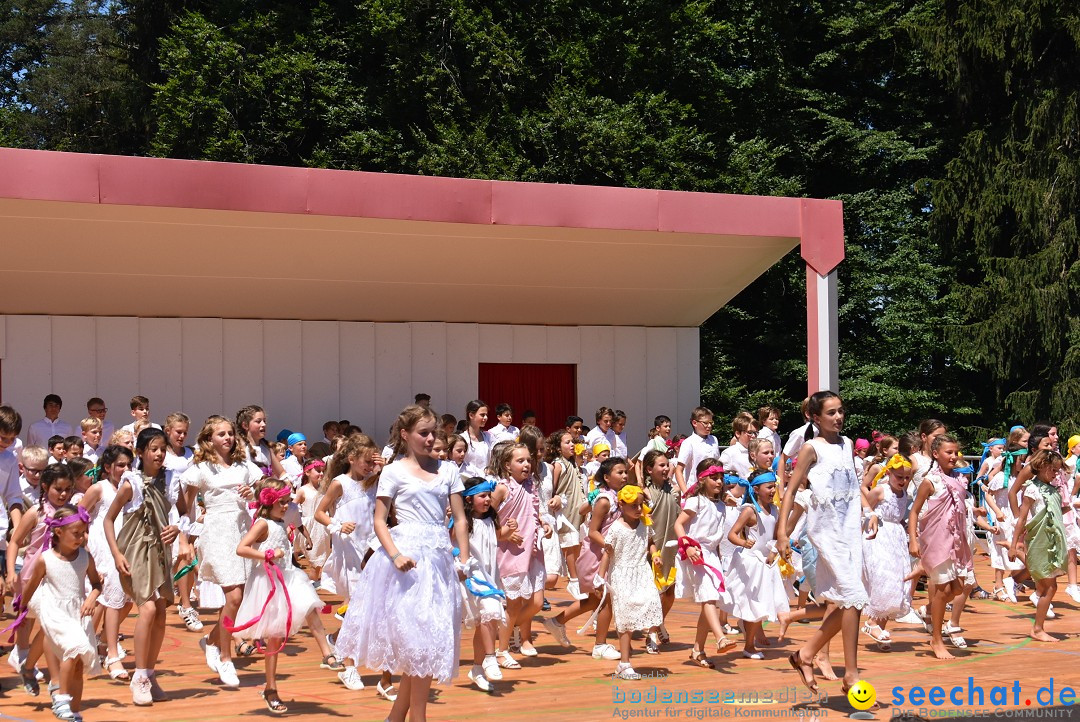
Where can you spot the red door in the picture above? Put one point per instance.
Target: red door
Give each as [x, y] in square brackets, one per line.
[548, 389]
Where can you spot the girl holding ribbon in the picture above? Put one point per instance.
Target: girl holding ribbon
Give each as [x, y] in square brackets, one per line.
[225, 479]
[700, 528]
[886, 561]
[142, 552]
[662, 495]
[635, 600]
[115, 462]
[57, 485]
[277, 596]
[483, 599]
[754, 583]
[56, 589]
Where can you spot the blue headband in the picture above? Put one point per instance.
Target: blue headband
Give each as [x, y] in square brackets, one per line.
[767, 478]
[284, 434]
[480, 488]
[969, 469]
[993, 442]
[1018, 427]
[294, 438]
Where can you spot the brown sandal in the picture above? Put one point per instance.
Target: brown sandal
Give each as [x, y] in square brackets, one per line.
[273, 701]
[795, 660]
[701, 659]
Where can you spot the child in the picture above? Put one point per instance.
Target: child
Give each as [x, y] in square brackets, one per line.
[768, 418]
[140, 414]
[447, 423]
[56, 589]
[755, 586]
[627, 549]
[42, 431]
[57, 486]
[456, 447]
[700, 527]
[505, 429]
[73, 447]
[225, 479]
[178, 460]
[251, 428]
[520, 558]
[439, 450]
[601, 452]
[567, 482]
[142, 552]
[883, 448]
[477, 441]
[663, 500]
[98, 499]
[695, 448]
[736, 458]
[482, 609]
[56, 449]
[351, 484]
[658, 436]
[551, 504]
[122, 437]
[886, 561]
[1006, 568]
[91, 435]
[308, 497]
[1040, 535]
[412, 627]
[618, 428]
[277, 596]
[293, 465]
[610, 477]
[937, 534]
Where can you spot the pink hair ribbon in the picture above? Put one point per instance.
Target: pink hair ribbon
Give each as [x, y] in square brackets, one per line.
[273, 571]
[711, 471]
[686, 543]
[269, 497]
[316, 464]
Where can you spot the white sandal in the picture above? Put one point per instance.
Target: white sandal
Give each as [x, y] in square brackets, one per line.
[387, 693]
[506, 661]
[121, 674]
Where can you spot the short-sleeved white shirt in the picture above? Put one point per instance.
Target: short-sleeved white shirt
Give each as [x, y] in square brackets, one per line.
[736, 460]
[693, 451]
[416, 500]
[795, 441]
[595, 436]
[766, 433]
[498, 433]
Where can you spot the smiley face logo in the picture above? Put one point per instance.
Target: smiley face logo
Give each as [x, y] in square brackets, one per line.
[862, 695]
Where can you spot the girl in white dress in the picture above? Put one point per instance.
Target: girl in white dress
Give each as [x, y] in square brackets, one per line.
[251, 430]
[347, 511]
[142, 552]
[308, 497]
[886, 561]
[56, 590]
[700, 528]
[178, 459]
[277, 596]
[483, 599]
[834, 528]
[114, 602]
[754, 583]
[478, 442]
[634, 598]
[226, 480]
[406, 617]
[1006, 568]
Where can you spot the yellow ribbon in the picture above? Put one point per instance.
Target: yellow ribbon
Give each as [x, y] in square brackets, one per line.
[786, 570]
[895, 462]
[630, 494]
[660, 580]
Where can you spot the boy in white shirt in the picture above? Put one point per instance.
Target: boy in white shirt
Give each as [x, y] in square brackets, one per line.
[140, 411]
[618, 428]
[40, 431]
[696, 448]
[505, 429]
[602, 431]
[96, 409]
[794, 442]
[736, 458]
[769, 421]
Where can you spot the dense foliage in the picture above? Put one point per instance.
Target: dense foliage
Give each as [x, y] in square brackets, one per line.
[947, 128]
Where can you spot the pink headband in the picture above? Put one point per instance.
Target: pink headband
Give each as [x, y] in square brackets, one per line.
[317, 464]
[711, 471]
[269, 497]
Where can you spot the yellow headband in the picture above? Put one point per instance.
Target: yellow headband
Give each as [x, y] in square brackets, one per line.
[630, 494]
[600, 448]
[895, 462]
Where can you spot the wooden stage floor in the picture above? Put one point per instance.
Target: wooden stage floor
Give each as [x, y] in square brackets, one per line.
[569, 684]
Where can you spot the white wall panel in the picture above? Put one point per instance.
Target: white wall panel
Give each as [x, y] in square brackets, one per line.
[202, 383]
[496, 343]
[356, 361]
[662, 388]
[393, 375]
[462, 356]
[563, 344]
[320, 376]
[117, 367]
[282, 369]
[629, 366]
[688, 373]
[242, 369]
[595, 373]
[28, 367]
[429, 362]
[74, 359]
[161, 366]
[530, 345]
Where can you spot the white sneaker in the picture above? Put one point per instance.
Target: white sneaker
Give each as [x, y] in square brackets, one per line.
[625, 671]
[476, 674]
[910, 618]
[491, 669]
[605, 651]
[1074, 592]
[1050, 613]
[1034, 599]
[140, 691]
[556, 630]
[213, 654]
[574, 590]
[191, 619]
[351, 679]
[227, 674]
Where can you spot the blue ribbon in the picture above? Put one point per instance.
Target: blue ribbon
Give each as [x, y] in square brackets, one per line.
[480, 488]
[767, 478]
[294, 438]
[969, 469]
[491, 591]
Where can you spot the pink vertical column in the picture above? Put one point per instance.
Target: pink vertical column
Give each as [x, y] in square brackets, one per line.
[822, 239]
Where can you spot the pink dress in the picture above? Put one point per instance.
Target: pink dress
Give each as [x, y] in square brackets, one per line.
[589, 557]
[943, 543]
[521, 566]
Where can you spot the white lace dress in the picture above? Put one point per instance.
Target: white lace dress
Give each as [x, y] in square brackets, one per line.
[225, 522]
[886, 560]
[57, 603]
[483, 546]
[998, 487]
[635, 602]
[342, 569]
[834, 525]
[112, 592]
[756, 587]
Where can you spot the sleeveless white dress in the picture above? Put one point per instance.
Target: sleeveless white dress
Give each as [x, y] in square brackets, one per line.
[886, 560]
[757, 588]
[57, 603]
[298, 591]
[112, 593]
[834, 525]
